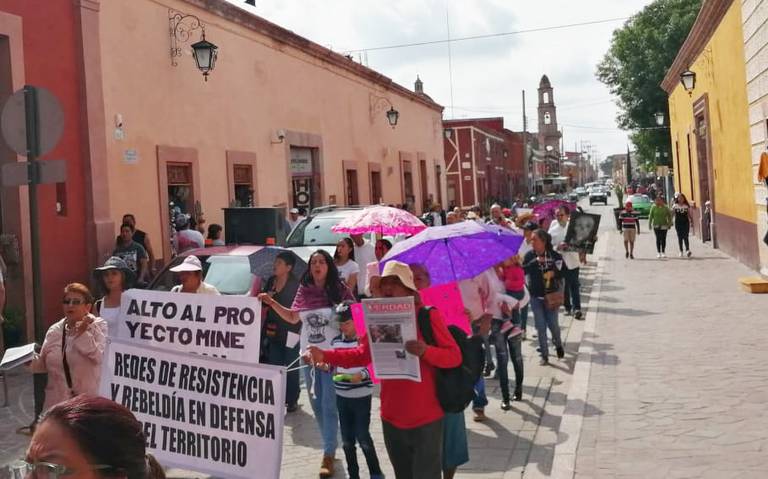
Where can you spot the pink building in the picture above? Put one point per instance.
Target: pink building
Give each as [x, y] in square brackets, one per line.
[280, 121]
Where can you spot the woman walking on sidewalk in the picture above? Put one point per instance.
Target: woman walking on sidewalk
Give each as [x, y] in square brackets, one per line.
[543, 269]
[682, 211]
[660, 220]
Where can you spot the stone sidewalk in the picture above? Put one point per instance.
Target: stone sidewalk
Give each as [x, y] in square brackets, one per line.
[677, 367]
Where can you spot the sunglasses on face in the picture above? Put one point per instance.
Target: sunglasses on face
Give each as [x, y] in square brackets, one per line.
[72, 302]
[46, 470]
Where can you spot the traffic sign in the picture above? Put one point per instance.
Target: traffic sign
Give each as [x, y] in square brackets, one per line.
[49, 119]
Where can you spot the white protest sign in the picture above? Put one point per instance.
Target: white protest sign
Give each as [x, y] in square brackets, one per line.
[204, 414]
[221, 326]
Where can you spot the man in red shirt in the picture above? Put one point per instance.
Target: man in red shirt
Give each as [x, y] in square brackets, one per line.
[410, 411]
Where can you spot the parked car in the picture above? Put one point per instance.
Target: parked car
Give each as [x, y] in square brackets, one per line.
[598, 195]
[581, 191]
[314, 232]
[226, 267]
[573, 196]
[641, 204]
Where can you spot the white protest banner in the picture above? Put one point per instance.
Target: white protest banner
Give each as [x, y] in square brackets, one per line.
[204, 414]
[390, 323]
[221, 326]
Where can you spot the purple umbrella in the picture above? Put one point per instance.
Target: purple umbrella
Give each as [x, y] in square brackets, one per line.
[458, 251]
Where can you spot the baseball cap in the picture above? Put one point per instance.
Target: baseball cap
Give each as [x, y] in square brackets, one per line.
[294, 211]
[401, 271]
[190, 263]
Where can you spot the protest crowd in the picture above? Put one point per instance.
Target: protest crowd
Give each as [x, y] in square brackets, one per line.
[405, 308]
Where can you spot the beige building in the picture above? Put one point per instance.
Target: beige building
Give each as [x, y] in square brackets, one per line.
[754, 16]
[279, 121]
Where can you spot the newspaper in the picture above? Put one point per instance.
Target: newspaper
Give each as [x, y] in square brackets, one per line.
[390, 323]
[14, 357]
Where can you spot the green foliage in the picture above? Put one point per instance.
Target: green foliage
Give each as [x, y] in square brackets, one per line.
[641, 52]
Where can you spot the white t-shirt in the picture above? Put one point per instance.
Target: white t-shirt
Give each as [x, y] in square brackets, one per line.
[363, 255]
[348, 269]
[558, 233]
[110, 316]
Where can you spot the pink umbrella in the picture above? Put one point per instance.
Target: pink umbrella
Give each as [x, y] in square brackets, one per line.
[546, 211]
[384, 220]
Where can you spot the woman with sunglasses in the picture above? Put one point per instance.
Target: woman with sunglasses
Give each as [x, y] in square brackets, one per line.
[88, 437]
[73, 348]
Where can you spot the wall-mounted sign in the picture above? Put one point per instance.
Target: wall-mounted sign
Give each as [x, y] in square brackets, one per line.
[130, 157]
[301, 161]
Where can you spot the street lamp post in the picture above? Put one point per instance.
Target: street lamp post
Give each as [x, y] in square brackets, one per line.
[688, 79]
[659, 118]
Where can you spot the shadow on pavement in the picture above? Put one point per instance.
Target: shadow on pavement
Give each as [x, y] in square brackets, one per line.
[627, 312]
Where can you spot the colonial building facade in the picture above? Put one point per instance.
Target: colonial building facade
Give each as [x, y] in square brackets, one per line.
[280, 121]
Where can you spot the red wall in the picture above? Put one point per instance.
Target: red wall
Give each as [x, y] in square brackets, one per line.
[52, 60]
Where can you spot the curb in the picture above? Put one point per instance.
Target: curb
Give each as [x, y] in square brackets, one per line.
[569, 434]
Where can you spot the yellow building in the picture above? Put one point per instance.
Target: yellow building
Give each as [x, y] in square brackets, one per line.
[709, 126]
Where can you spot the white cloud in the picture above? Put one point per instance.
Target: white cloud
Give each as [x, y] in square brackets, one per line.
[488, 74]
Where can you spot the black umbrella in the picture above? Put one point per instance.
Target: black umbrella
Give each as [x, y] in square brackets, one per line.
[262, 262]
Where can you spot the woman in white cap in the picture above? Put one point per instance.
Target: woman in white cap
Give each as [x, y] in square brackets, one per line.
[113, 278]
[191, 277]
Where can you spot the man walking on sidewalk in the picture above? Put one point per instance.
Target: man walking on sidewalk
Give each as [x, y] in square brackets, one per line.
[630, 228]
[558, 230]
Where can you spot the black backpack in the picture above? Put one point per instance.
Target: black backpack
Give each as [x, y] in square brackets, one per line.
[455, 386]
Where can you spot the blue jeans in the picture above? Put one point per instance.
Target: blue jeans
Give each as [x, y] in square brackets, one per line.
[324, 407]
[480, 400]
[519, 316]
[506, 349]
[355, 421]
[572, 290]
[545, 319]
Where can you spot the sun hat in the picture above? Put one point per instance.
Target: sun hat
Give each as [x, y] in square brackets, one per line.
[190, 263]
[401, 271]
[471, 215]
[118, 263]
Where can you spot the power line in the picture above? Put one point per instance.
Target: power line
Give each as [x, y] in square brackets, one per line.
[490, 35]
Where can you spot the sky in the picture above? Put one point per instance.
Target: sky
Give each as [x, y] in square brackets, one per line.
[488, 75]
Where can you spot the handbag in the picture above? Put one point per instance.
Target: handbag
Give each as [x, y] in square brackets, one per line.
[555, 299]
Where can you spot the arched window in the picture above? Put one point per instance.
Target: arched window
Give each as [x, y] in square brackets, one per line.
[545, 97]
[547, 119]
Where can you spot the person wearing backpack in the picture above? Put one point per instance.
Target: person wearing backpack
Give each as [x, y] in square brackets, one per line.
[455, 444]
[411, 412]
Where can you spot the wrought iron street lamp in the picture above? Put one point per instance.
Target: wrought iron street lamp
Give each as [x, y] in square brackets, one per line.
[659, 118]
[205, 54]
[181, 28]
[688, 79]
[448, 132]
[392, 116]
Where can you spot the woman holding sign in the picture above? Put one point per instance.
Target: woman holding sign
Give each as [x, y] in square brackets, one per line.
[73, 349]
[321, 288]
[282, 287]
[113, 278]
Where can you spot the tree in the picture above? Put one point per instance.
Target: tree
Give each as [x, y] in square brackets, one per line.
[641, 52]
